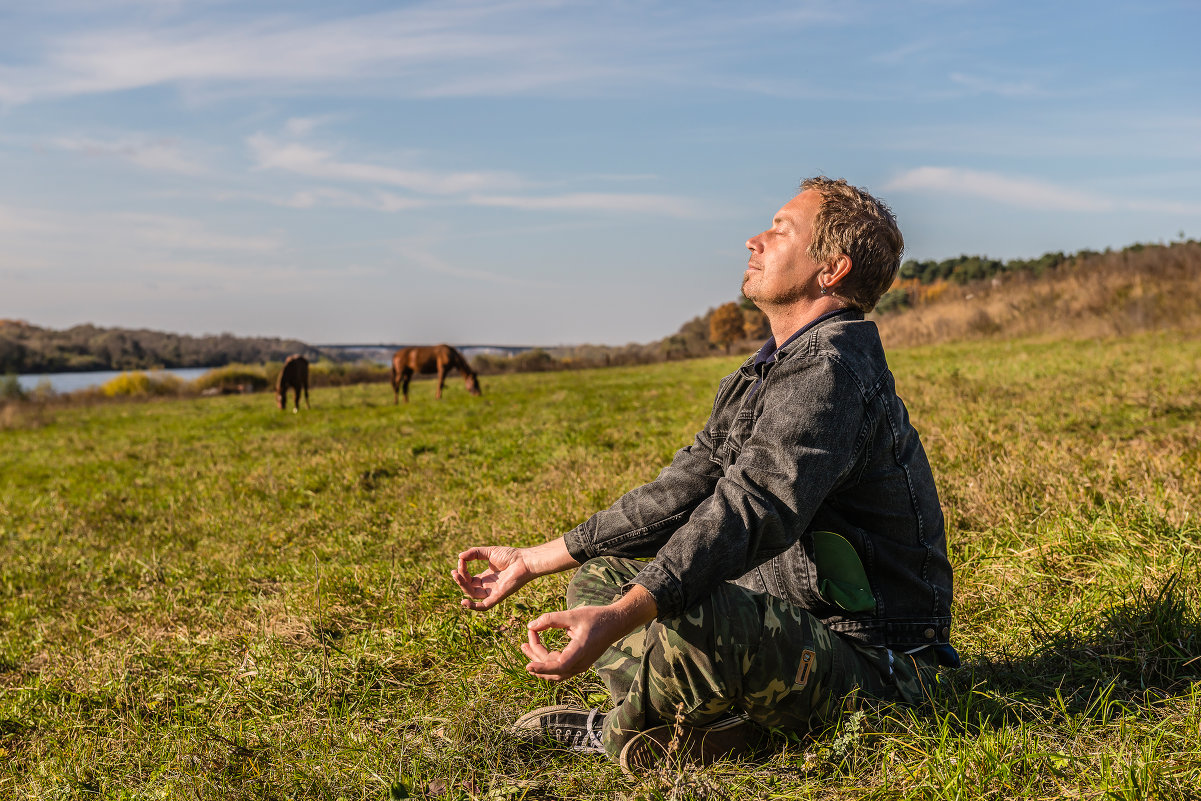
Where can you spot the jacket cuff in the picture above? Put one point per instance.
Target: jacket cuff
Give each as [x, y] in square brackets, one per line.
[579, 544]
[663, 587]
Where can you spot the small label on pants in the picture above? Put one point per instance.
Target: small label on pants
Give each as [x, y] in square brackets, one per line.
[802, 673]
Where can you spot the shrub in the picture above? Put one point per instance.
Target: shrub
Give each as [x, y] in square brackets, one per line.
[981, 322]
[236, 378]
[14, 415]
[137, 383]
[44, 391]
[10, 388]
[142, 384]
[533, 361]
[893, 300]
[325, 373]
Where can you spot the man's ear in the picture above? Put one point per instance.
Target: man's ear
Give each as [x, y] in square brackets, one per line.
[837, 269]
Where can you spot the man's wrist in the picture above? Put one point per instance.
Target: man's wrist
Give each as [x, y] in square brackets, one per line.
[550, 557]
[637, 605]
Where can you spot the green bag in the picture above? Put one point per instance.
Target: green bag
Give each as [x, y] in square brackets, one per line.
[841, 578]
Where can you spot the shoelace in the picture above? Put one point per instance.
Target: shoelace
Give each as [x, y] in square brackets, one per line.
[588, 738]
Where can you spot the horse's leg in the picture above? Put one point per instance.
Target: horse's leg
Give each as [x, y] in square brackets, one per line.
[395, 386]
[405, 376]
[441, 378]
[295, 398]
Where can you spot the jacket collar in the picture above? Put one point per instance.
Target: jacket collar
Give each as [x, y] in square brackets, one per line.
[770, 352]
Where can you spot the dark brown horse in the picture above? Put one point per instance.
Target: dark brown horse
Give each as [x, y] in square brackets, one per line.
[294, 376]
[437, 359]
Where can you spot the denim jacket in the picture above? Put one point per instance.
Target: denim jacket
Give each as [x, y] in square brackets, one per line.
[809, 483]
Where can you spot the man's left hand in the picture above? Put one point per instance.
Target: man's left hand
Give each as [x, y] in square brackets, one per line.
[590, 629]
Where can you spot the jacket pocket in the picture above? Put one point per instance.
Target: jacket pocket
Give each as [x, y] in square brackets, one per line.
[718, 454]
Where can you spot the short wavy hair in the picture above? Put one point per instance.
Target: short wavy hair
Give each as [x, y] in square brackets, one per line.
[852, 222]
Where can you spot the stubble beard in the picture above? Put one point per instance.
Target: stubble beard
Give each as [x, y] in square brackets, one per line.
[746, 279]
[764, 302]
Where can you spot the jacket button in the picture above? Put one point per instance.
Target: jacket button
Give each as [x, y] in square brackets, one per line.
[946, 631]
[928, 634]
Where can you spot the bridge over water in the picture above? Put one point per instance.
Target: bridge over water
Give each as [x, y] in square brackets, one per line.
[382, 352]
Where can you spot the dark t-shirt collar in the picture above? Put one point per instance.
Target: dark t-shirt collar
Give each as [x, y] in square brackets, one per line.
[767, 353]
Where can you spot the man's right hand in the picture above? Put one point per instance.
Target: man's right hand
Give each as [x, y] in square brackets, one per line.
[509, 569]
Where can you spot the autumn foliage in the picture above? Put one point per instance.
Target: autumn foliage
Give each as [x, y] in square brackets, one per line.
[726, 325]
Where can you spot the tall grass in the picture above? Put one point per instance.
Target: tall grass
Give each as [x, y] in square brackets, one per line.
[213, 599]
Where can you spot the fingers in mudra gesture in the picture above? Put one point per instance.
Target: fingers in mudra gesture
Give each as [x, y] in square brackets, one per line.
[587, 634]
[506, 572]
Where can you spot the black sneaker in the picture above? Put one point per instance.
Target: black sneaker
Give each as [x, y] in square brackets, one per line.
[578, 729]
[686, 745]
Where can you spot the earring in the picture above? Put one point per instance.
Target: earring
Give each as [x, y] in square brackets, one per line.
[823, 286]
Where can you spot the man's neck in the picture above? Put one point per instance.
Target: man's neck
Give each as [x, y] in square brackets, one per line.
[787, 320]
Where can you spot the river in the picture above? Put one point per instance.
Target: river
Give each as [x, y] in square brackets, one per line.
[69, 382]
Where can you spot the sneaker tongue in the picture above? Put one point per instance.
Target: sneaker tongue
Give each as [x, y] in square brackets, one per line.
[594, 730]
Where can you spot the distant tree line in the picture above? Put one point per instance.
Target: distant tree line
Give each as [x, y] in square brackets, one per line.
[923, 281]
[26, 348]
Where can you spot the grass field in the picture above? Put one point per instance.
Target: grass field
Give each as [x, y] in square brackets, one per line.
[210, 598]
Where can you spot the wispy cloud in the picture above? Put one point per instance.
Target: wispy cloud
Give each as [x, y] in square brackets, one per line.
[18, 220]
[430, 262]
[301, 126]
[1012, 191]
[315, 163]
[419, 50]
[660, 205]
[326, 196]
[475, 188]
[1164, 207]
[1025, 192]
[149, 233]
[258, 276]
[181, 233]
[456, 48]
[156, 154]
[907, 51]
[980, 84]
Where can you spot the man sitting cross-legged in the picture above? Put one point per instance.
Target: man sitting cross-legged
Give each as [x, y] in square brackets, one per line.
[792, 555]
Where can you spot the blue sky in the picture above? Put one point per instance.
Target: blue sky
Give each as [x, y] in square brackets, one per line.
[554, 172]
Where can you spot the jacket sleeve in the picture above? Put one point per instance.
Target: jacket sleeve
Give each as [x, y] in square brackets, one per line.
[643, 519]
[801, 446]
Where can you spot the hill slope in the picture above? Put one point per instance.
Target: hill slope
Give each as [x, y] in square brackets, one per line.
[1140, 288]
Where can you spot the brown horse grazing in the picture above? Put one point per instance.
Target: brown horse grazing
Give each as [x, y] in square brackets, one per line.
[294, 376]
[437, 359]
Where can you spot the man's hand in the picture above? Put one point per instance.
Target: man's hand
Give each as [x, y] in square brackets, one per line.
[509, 569]
[507, 572]
[590, 629]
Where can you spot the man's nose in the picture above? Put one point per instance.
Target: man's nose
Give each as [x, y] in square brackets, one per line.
[755, 243]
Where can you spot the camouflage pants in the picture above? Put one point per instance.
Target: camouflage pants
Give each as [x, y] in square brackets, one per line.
[737, 651]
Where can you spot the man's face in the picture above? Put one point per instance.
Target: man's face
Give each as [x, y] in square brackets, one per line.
[780, 271]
